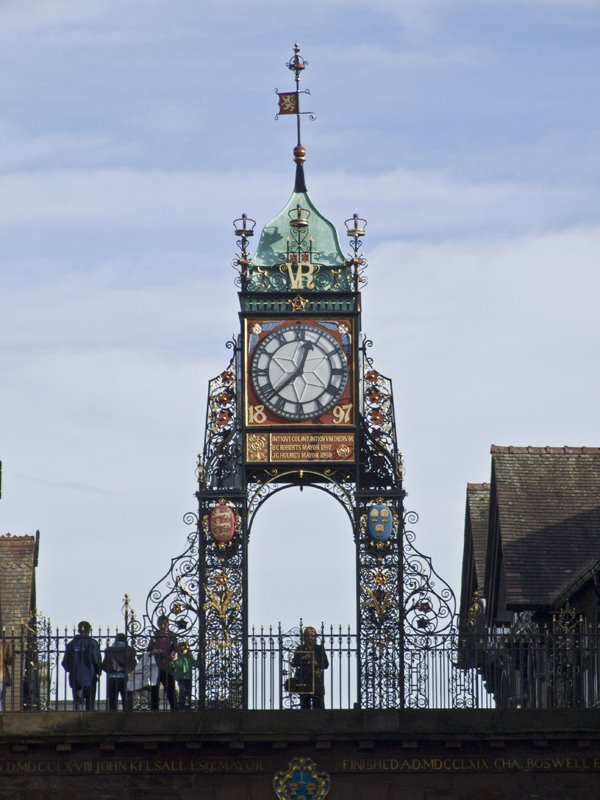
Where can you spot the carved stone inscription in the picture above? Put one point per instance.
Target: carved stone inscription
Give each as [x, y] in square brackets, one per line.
[107, 766]
[351, 765]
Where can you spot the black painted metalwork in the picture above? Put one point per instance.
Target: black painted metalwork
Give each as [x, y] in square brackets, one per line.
[402, 604]
[550, 666]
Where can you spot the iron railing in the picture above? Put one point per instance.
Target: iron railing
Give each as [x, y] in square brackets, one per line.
[535, 670]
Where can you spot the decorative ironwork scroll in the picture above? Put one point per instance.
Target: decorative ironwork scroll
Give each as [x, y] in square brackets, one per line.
[299, 269]
[402, 602]
[220, 464]
[174, 596]
[222, 594]
[380, 602]
[381, 462]
[222, 544]
[265, 482]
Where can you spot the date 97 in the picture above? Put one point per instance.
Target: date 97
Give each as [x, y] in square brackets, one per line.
[341, 414]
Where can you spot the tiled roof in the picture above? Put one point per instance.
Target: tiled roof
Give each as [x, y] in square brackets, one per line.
[18, 559]
[548, 501]
[478, 504]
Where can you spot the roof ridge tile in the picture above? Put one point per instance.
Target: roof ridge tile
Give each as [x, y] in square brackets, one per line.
[547, 450]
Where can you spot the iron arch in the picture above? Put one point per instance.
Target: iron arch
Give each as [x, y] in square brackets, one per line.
[263, 491]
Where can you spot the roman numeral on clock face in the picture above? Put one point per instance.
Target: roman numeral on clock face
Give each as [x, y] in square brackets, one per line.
[268, 392]
[299, 371]
[279, 404]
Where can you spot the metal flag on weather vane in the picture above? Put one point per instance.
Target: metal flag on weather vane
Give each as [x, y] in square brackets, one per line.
[288, 102]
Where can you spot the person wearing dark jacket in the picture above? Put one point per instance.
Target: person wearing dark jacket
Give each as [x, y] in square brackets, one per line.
[82, 663]
[309, 662]
[163, 645]
[119, 661]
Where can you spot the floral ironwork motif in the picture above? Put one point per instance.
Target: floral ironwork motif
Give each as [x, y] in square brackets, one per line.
[380, 612]
[381, 462]
[221, 607]
[400, 598]
[220, 464]
[174, 596]
[402, 602]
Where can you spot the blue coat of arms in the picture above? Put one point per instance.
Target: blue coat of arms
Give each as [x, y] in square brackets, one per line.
[380, 522]
[301, 780]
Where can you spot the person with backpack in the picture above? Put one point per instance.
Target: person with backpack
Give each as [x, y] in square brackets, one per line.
[119, 662]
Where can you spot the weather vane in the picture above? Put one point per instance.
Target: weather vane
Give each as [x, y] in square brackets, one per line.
[289, 102]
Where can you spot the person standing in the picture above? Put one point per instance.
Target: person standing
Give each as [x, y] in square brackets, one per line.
[82, 664]
[182, 666]
[162, 646]
[119, 662]
[6, 660]
[309, 662]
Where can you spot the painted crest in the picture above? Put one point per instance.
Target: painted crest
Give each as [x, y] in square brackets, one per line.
[301, 780]
[221, 524]
[380, 522]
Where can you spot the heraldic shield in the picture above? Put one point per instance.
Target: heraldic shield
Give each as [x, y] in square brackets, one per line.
[221, 524]
[380, 522]
[301, 780]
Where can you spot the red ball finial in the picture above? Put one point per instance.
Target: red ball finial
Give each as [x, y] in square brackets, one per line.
[299, 154]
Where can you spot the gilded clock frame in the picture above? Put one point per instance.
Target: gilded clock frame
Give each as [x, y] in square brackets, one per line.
[342, 415]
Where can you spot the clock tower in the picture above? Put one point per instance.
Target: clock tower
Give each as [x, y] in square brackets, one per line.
[301, 403]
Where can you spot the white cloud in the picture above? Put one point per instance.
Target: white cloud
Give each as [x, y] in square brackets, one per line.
[407, 202]
[21, 150]
[117, 294]
[96, 22]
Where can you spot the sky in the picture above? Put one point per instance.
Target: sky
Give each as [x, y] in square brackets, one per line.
[133, 133]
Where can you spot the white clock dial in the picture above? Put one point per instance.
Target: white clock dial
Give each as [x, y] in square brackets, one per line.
[299, 371]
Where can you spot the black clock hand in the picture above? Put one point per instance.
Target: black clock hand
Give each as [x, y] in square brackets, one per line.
[306, 348]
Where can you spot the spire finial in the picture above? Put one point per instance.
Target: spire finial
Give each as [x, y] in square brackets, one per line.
[289, 103]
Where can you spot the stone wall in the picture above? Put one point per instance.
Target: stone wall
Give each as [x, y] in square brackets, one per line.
[408, 755]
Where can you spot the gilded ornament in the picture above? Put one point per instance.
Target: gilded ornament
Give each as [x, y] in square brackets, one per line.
[224, 418]
[380, 579]
[301, 780]
[377, 417]
[225, 397]
[374, 395]
[257, 447]
[298, 303]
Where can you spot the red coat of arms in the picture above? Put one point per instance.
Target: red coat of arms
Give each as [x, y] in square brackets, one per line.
[221, 524]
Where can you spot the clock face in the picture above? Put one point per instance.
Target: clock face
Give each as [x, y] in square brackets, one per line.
[299, 371]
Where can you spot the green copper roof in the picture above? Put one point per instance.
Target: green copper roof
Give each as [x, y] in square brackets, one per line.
[272, 247]
[281, 244]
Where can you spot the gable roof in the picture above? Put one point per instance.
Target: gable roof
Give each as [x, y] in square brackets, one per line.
[478, 511]
[548, 506]
[475, 544]
[18, 560]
